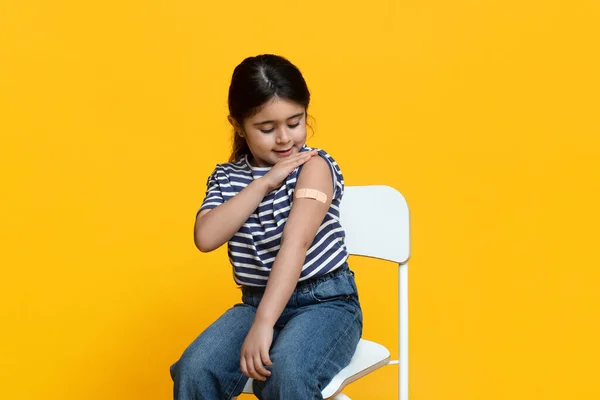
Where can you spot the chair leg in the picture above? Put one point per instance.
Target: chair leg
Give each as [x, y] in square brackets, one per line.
[403, 330]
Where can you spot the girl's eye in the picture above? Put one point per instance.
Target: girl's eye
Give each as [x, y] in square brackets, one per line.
[272, 129]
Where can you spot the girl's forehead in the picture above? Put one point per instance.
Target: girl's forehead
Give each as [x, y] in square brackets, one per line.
[277, 109]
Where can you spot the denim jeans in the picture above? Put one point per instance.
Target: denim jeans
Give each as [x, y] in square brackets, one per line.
[314, 338]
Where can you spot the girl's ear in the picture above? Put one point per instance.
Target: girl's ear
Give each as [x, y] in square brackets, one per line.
[238, 129]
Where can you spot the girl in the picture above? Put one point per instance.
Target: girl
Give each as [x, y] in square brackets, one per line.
[276, 204]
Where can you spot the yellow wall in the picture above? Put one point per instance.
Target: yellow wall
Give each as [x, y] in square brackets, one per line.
[484, 114]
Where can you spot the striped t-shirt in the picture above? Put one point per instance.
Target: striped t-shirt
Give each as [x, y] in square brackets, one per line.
[252, 250]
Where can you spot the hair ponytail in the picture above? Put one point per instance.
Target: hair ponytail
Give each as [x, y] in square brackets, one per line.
[239, 149]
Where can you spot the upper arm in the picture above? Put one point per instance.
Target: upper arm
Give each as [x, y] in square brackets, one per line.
[214, 196]
[306, 215]
[212, 199]
[202, 214]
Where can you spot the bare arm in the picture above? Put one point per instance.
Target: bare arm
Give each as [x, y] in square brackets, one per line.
[215, 227]
[300, 229]
[306, 216]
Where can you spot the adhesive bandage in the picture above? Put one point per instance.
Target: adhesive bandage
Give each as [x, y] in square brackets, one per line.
[311, 194]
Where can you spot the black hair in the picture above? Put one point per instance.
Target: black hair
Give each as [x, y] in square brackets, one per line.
[255, 81]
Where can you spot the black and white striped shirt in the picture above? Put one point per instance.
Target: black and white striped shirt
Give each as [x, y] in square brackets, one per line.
[252, 250]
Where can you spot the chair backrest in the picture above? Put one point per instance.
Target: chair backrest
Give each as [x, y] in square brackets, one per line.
[376, 222]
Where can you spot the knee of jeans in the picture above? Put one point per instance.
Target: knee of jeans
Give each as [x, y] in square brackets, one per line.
[191, 369]
[285, 377]
[172, 370]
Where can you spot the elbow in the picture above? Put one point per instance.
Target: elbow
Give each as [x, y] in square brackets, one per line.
[201, 239]
[203, 245]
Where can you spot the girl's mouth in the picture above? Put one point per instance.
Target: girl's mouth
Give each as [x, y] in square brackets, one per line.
[284, 153]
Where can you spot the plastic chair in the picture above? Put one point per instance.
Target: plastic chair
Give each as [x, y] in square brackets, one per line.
[376, 222]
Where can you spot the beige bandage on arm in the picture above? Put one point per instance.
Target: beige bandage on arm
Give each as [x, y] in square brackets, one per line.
[311, 194]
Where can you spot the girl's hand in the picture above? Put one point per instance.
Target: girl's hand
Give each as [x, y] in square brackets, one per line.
[255, 352]
[284, 167]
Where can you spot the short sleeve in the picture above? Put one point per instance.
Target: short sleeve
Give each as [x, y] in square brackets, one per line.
[336, 174]
[213, 197]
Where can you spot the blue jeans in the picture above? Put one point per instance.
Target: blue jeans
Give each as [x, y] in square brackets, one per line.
[314, 338]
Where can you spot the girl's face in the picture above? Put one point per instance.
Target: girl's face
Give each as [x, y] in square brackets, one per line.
[276, 132]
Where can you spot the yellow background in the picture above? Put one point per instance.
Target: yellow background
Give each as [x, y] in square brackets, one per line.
[483, 114]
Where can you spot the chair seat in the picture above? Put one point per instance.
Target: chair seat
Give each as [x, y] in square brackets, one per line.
[368, 357]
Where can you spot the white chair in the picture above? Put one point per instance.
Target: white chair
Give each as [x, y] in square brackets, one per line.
[376, 222]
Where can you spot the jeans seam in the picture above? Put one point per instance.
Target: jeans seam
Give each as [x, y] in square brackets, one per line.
[229, 390]
[340, 338]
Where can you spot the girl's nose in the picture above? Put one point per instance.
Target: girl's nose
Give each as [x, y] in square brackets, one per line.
[283, 136]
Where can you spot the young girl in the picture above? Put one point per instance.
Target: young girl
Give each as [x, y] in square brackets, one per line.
[276, 204]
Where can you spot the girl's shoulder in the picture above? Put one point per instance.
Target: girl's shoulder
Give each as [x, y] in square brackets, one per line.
[323, 153]
[336, 173]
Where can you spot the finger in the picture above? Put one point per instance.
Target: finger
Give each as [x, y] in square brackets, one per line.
[297, 157]
[266, 360]
[260, 368]
[252, 369]
[305, 154]
[244, 367]
[303, 160]
[293, 160]
[249, 367]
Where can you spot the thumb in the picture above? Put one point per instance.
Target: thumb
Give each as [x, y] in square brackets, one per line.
[265, 357]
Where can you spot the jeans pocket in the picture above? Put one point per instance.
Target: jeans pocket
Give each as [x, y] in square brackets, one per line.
[338, 288]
